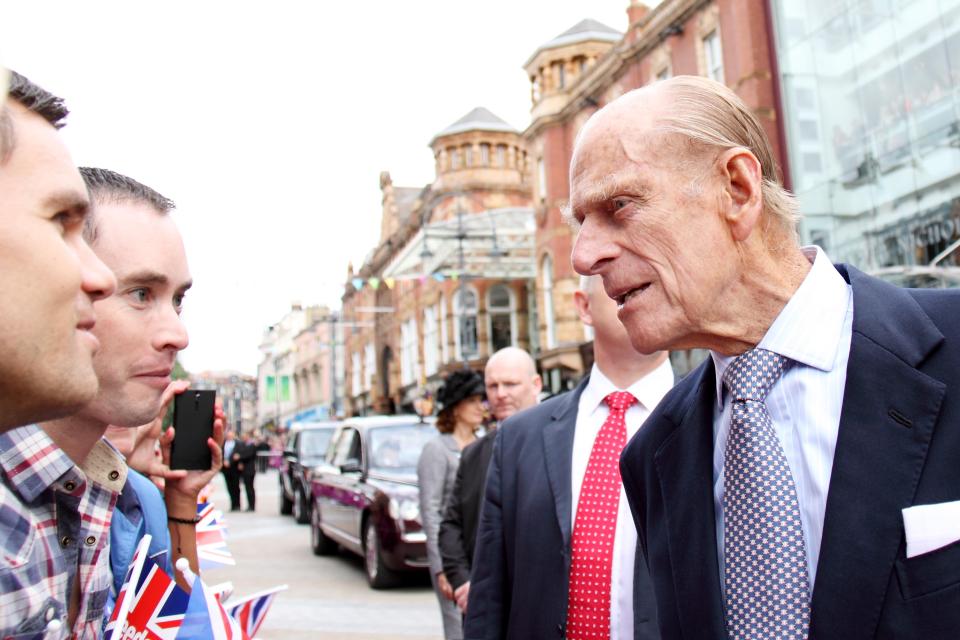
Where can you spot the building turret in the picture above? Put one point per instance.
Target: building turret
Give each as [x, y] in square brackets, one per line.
[479, 150]
[557, 65]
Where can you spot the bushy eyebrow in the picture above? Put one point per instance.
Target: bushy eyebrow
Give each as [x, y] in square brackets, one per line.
[75, 202]
[148, 278]
[602, 191]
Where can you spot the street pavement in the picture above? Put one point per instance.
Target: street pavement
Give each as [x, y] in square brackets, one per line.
[328, 598]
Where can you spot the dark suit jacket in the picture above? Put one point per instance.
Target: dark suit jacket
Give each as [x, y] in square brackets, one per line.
[519, 582]
[248, 458]
[898, 445]
[458, 530]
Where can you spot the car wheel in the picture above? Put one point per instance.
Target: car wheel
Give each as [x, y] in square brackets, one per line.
[301, 511]
[379, 576]
[286, 504]
[301, 507]
[322, 545]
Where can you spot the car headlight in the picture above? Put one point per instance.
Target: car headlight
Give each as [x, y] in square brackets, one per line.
[404, 509]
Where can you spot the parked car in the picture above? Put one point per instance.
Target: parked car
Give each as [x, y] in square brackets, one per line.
[365, 496]
[306, 446]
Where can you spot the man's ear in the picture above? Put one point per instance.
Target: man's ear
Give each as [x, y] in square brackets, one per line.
[742, 178]
[582, 301]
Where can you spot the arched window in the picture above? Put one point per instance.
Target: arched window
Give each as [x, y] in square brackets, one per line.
[547, 283]
[465, 332]
[502, 315]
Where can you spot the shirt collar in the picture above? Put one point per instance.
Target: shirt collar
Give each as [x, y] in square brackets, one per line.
[31, 461]
[106, 466]
[648, 390]
[809, 328]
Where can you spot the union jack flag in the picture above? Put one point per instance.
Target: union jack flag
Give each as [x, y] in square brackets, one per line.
[212, 549]
[149, 603]
[206, 619]
[251, 611]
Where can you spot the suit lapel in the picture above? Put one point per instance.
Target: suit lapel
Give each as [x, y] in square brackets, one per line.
[558, 454]
[684, 466]
[889, 412]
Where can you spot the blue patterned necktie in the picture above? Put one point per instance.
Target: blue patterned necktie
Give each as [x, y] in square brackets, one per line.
[765, 561]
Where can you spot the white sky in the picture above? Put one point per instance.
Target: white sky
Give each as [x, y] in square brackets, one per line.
[269, 124]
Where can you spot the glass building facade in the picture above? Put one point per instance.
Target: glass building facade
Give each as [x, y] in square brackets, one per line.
[871, 98]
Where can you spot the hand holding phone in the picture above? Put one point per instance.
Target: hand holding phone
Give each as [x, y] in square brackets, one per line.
[193, 425]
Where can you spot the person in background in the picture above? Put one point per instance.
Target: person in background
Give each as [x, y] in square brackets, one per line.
[512, 384]
[557, 552]
[461, 414]
[231, 476]
[245, 461]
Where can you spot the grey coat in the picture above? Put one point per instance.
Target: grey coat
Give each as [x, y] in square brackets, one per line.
[436, 474]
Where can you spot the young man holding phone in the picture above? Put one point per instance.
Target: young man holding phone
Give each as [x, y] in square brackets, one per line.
[140, 334]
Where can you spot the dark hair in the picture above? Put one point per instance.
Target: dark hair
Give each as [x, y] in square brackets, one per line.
[446, 421]
[107, 185]
[36, 99]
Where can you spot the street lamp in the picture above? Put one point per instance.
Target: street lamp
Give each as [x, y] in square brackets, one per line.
[461, 233]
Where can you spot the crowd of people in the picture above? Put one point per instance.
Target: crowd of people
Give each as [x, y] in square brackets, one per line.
[802, 482]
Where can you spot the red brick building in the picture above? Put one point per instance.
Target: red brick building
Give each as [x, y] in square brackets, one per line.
[419, 306]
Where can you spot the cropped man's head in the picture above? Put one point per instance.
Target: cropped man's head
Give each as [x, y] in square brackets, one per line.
[49, 277]
[139, 326]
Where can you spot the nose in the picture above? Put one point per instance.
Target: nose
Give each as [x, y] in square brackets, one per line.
[96, 279]
[171, 334]
[592, 250]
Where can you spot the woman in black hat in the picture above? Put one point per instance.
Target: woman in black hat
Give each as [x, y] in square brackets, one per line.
[461, 413]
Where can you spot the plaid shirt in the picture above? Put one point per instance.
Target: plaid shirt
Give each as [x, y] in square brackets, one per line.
[54, 529]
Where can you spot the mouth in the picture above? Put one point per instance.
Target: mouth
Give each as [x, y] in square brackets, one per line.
[624, 297]
[159, 378]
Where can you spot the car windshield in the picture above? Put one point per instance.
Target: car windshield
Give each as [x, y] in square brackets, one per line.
[396, 448]
[313, 443]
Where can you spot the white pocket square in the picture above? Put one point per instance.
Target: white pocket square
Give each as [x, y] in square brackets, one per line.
[931, 526]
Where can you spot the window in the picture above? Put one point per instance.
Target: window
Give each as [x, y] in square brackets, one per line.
[431, 346]
[561, 74]
[808, 130]
[484, 154]
[347, 447]
[549, 324]
[502, 317]
[465, 310]
[501, 155]
[468, 156]
[444, 345]
[542, 179]
[369, 366]
[713, 55]
[582, 64]
[355, 373]
[454, 159]
[409, 358]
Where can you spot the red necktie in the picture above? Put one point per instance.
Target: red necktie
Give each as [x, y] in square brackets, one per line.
[595, 527]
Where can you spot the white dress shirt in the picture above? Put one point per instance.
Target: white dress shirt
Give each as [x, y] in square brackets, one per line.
[813, 330]
[591, 414]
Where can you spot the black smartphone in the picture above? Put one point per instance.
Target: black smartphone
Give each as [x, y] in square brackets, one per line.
[193, 424]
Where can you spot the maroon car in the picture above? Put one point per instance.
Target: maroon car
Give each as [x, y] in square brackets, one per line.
[365, 496]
